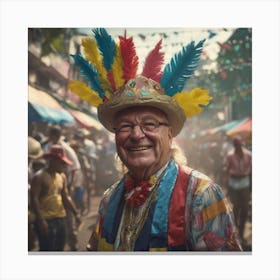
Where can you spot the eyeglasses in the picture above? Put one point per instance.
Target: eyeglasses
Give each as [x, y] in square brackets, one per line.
[149, 126]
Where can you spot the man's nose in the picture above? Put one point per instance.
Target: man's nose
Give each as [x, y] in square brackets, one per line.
[137, 132]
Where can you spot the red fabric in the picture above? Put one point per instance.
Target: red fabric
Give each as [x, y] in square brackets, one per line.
[213, 241]
[176, 216]
[137, 192]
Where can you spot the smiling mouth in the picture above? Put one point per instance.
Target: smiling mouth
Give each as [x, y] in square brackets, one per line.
[140, 148]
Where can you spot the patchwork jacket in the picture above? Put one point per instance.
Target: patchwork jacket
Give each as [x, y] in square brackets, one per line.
[190, 213]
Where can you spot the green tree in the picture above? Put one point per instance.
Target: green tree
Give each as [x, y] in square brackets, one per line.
[234, 77]
[52, 40]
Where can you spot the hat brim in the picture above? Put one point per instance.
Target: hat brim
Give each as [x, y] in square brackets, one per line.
[37, 156]
[108, 110]
[63, 158]
[34, 148]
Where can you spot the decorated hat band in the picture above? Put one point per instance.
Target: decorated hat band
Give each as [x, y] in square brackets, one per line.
[112, 83]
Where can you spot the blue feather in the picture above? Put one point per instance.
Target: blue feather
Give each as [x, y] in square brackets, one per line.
[180, 68]
[106, 46]
[90, 73]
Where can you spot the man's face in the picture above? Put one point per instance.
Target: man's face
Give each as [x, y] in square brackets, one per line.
[143, 149]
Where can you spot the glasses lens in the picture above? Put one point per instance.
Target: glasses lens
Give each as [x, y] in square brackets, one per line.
[145, 126]
[124, 128]
[149, 126]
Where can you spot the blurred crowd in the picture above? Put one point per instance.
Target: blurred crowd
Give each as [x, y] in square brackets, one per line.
[208, 154]
[93, 169]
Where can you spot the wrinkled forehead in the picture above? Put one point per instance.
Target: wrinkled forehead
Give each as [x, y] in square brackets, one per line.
[139, 112]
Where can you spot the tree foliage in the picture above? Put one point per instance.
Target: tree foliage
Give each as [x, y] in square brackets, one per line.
[51, 40]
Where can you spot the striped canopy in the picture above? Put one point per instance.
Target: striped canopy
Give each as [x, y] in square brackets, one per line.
[43, 107]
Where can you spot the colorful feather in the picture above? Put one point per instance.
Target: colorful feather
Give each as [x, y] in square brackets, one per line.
[117, 68]
[180, 68]
[111, 80]
[90, 73]
[106, 46]
[92, 54]
[153, 63]
[129, 57]
[192, 101]
[85, 92]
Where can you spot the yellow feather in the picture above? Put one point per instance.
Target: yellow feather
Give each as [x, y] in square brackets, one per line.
[108, 94]
[117, 69]
[85, 92]
[190, 101]
[93, 56]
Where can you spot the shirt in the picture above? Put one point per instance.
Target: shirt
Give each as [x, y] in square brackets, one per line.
[51, 203]
[239, 166]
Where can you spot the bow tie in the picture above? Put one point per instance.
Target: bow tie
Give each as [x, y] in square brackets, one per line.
[137, 192]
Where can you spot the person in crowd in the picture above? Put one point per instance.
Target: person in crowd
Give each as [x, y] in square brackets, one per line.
[81, 181]
[34, 154]
[55, 137]
[106, 172]
[49, 198]
[159, 204]
[238, 166]
[225, 147]
[72, 173]
[34, 132]
[88, 156]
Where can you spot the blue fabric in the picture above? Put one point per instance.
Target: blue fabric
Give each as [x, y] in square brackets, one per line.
[113, 214]
[78, 194]
[159, 228]
[40, 113]
[142, 243]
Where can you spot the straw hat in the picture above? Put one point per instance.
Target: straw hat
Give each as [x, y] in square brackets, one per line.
[34, 148]
[141, 91]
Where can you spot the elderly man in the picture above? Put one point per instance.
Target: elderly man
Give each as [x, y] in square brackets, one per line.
[158, 205]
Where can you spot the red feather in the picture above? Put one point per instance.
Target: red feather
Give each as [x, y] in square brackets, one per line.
[111, 80]
[153, 63]
[129, 57]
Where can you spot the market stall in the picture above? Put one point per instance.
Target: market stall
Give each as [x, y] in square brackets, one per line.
[43, 107]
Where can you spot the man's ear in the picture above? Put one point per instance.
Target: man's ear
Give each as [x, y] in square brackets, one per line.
[170, 133]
